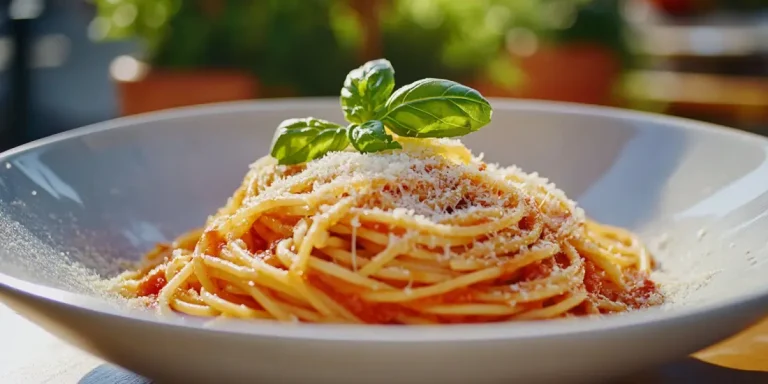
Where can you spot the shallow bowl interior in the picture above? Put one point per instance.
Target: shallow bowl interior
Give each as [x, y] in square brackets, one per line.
[109, 192]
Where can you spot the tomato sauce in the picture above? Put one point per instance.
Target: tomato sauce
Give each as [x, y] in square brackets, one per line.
[349, 298]
[215, 242]
[639, 293]
[152, 283]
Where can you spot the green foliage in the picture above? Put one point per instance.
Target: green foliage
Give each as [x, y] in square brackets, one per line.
[308, 44]
[593, 21]
[463, 39]
[284, 42]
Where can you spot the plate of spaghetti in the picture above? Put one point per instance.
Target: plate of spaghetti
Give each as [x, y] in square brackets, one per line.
[389, 235]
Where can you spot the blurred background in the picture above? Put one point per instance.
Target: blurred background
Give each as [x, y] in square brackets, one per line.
[68, 63]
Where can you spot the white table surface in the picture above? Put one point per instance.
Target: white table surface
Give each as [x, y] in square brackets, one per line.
[33, 356]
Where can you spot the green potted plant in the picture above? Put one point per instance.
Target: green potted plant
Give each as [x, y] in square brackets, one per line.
[582, 52]
[201, 51]
[564, 50]
[569, 50]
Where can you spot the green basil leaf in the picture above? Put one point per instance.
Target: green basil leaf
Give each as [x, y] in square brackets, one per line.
[366, 90]
[371, 137]
[300, 140]
[436, 108]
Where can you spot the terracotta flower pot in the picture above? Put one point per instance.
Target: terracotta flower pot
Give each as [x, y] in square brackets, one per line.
[145, 90]
[580, 73]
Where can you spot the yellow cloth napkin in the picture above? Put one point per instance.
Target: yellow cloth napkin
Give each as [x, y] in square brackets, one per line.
[747, 350]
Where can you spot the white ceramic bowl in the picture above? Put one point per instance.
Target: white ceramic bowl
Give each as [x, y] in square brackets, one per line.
[696, 192]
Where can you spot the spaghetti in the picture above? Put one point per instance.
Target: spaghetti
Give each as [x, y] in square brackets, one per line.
[422, 235]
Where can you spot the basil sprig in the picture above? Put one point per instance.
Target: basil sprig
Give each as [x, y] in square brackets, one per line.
[425, 108]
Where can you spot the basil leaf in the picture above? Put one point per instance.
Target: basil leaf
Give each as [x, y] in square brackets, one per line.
[300, 140]
[366, 90]
[436, 108]
[371, 137]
